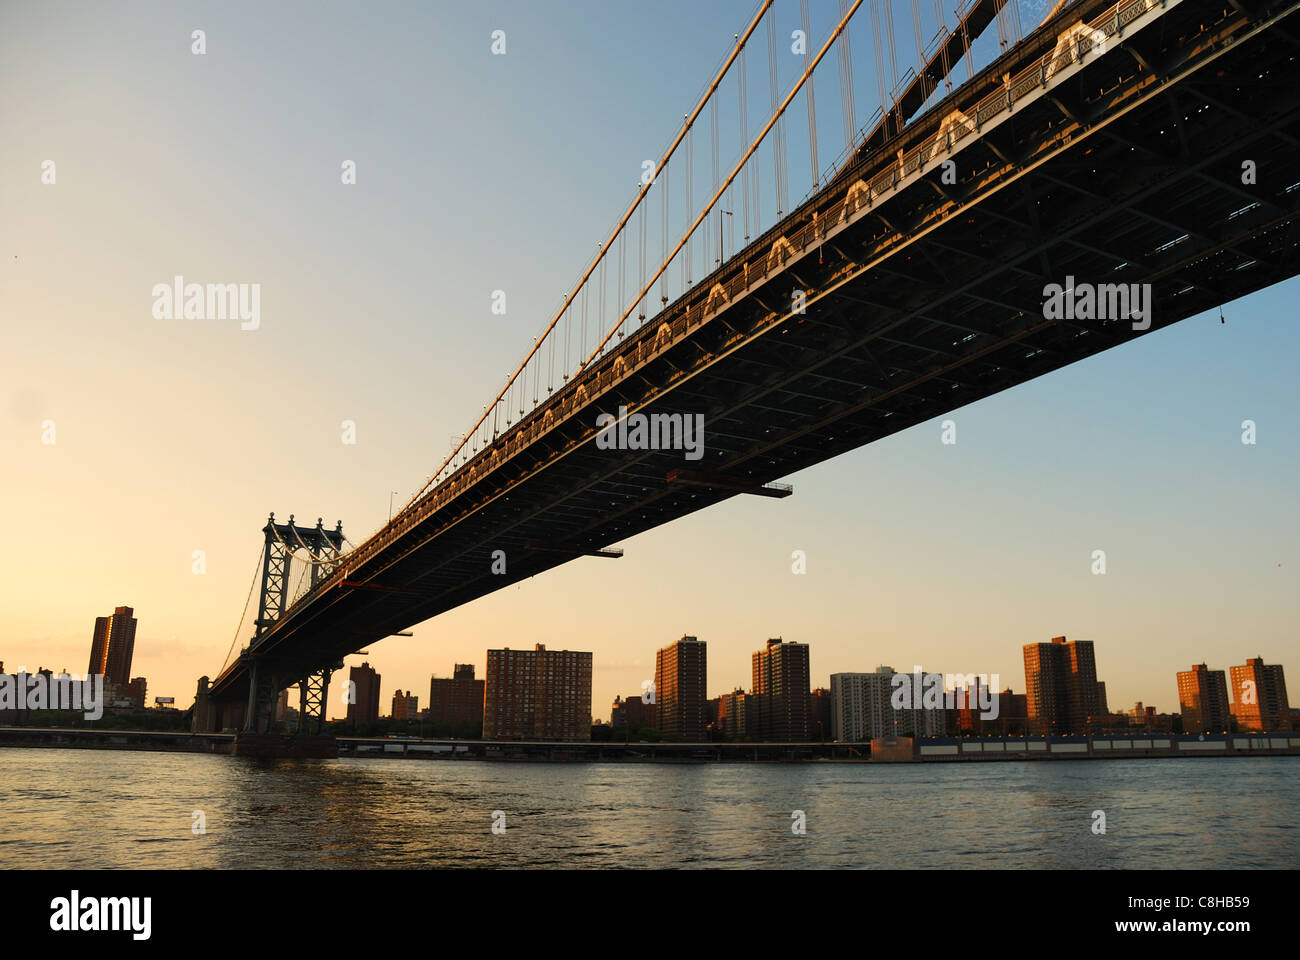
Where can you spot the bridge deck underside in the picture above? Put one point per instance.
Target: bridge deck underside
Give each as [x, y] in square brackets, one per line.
[1129, 173]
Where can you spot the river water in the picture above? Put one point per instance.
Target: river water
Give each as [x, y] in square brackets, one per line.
[64, 808]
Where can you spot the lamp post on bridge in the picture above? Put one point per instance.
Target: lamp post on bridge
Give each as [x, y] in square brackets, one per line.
[728, 213]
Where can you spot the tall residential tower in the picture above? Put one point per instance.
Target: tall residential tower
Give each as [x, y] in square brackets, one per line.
[681, 675]
[113, 645]
[781, 673]
[1061, 684]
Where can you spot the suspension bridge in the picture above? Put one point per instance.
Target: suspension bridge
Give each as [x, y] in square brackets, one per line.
[1135, 145]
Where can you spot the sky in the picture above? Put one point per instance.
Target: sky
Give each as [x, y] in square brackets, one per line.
[478, 172]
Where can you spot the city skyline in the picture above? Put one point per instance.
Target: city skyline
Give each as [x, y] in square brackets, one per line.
[1062, 698]
[917, 551]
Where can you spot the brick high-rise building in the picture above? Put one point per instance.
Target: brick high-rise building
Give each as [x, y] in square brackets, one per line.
[405, 706]
[363, 706]
[538, 693]
[1061, 684]
[781, 673]
[1044, 685]
[1259, 700]
[457, 701]
[1203, 699]
[1083, 690]
[681, 680]
[113, 645]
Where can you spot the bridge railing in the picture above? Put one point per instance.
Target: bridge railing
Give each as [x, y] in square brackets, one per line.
[691, 310]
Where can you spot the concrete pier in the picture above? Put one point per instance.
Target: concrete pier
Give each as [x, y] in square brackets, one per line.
[276, 745]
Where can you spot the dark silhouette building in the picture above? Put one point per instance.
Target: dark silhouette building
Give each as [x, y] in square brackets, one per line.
[681, 679]
[364, 704]
[133, 692]
[819, 714]
[457, 701]
[633, 712]
[113, 645]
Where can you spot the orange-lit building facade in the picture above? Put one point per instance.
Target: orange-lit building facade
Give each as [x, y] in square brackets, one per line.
[1061, 687]
[1259, 700]
[1203, 700]
[406, 706]
[112, 646]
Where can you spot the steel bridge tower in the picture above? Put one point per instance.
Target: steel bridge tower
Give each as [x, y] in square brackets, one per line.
[268, 676]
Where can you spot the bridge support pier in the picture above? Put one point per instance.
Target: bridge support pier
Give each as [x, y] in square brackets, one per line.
[259, 737]
[263, 690]
[313, 694]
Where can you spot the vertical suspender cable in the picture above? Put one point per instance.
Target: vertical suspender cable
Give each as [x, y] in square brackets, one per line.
[752, 149]
[731, 222]
[778, 136]
[879, 57]
[970, 60]
[943, 32]
[893, 53]
[741, 83]
[713, 139]
[879, 51]
[600, 308]
[641, 285]
[663, 277]
[809, 98]
[622, 266]
[683, 265]
[586, 287]
[690, 204]
[920, 44]
[756, 166]
[847, 108]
